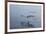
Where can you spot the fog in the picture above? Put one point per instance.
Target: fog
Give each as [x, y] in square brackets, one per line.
[19, 13]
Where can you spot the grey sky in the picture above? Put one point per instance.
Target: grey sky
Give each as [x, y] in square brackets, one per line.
[17, 10]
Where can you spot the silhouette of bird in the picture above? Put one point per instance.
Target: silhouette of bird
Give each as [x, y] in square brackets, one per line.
[27, 16]
[30, 16]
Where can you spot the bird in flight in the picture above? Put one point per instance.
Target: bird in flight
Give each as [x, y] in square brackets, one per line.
[28, 16]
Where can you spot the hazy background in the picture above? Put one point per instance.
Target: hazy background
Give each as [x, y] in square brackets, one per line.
[16, 12]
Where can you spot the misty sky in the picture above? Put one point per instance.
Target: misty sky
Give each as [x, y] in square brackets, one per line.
[17, 10]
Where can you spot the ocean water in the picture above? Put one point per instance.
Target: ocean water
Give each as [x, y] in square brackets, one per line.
[25, 16]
